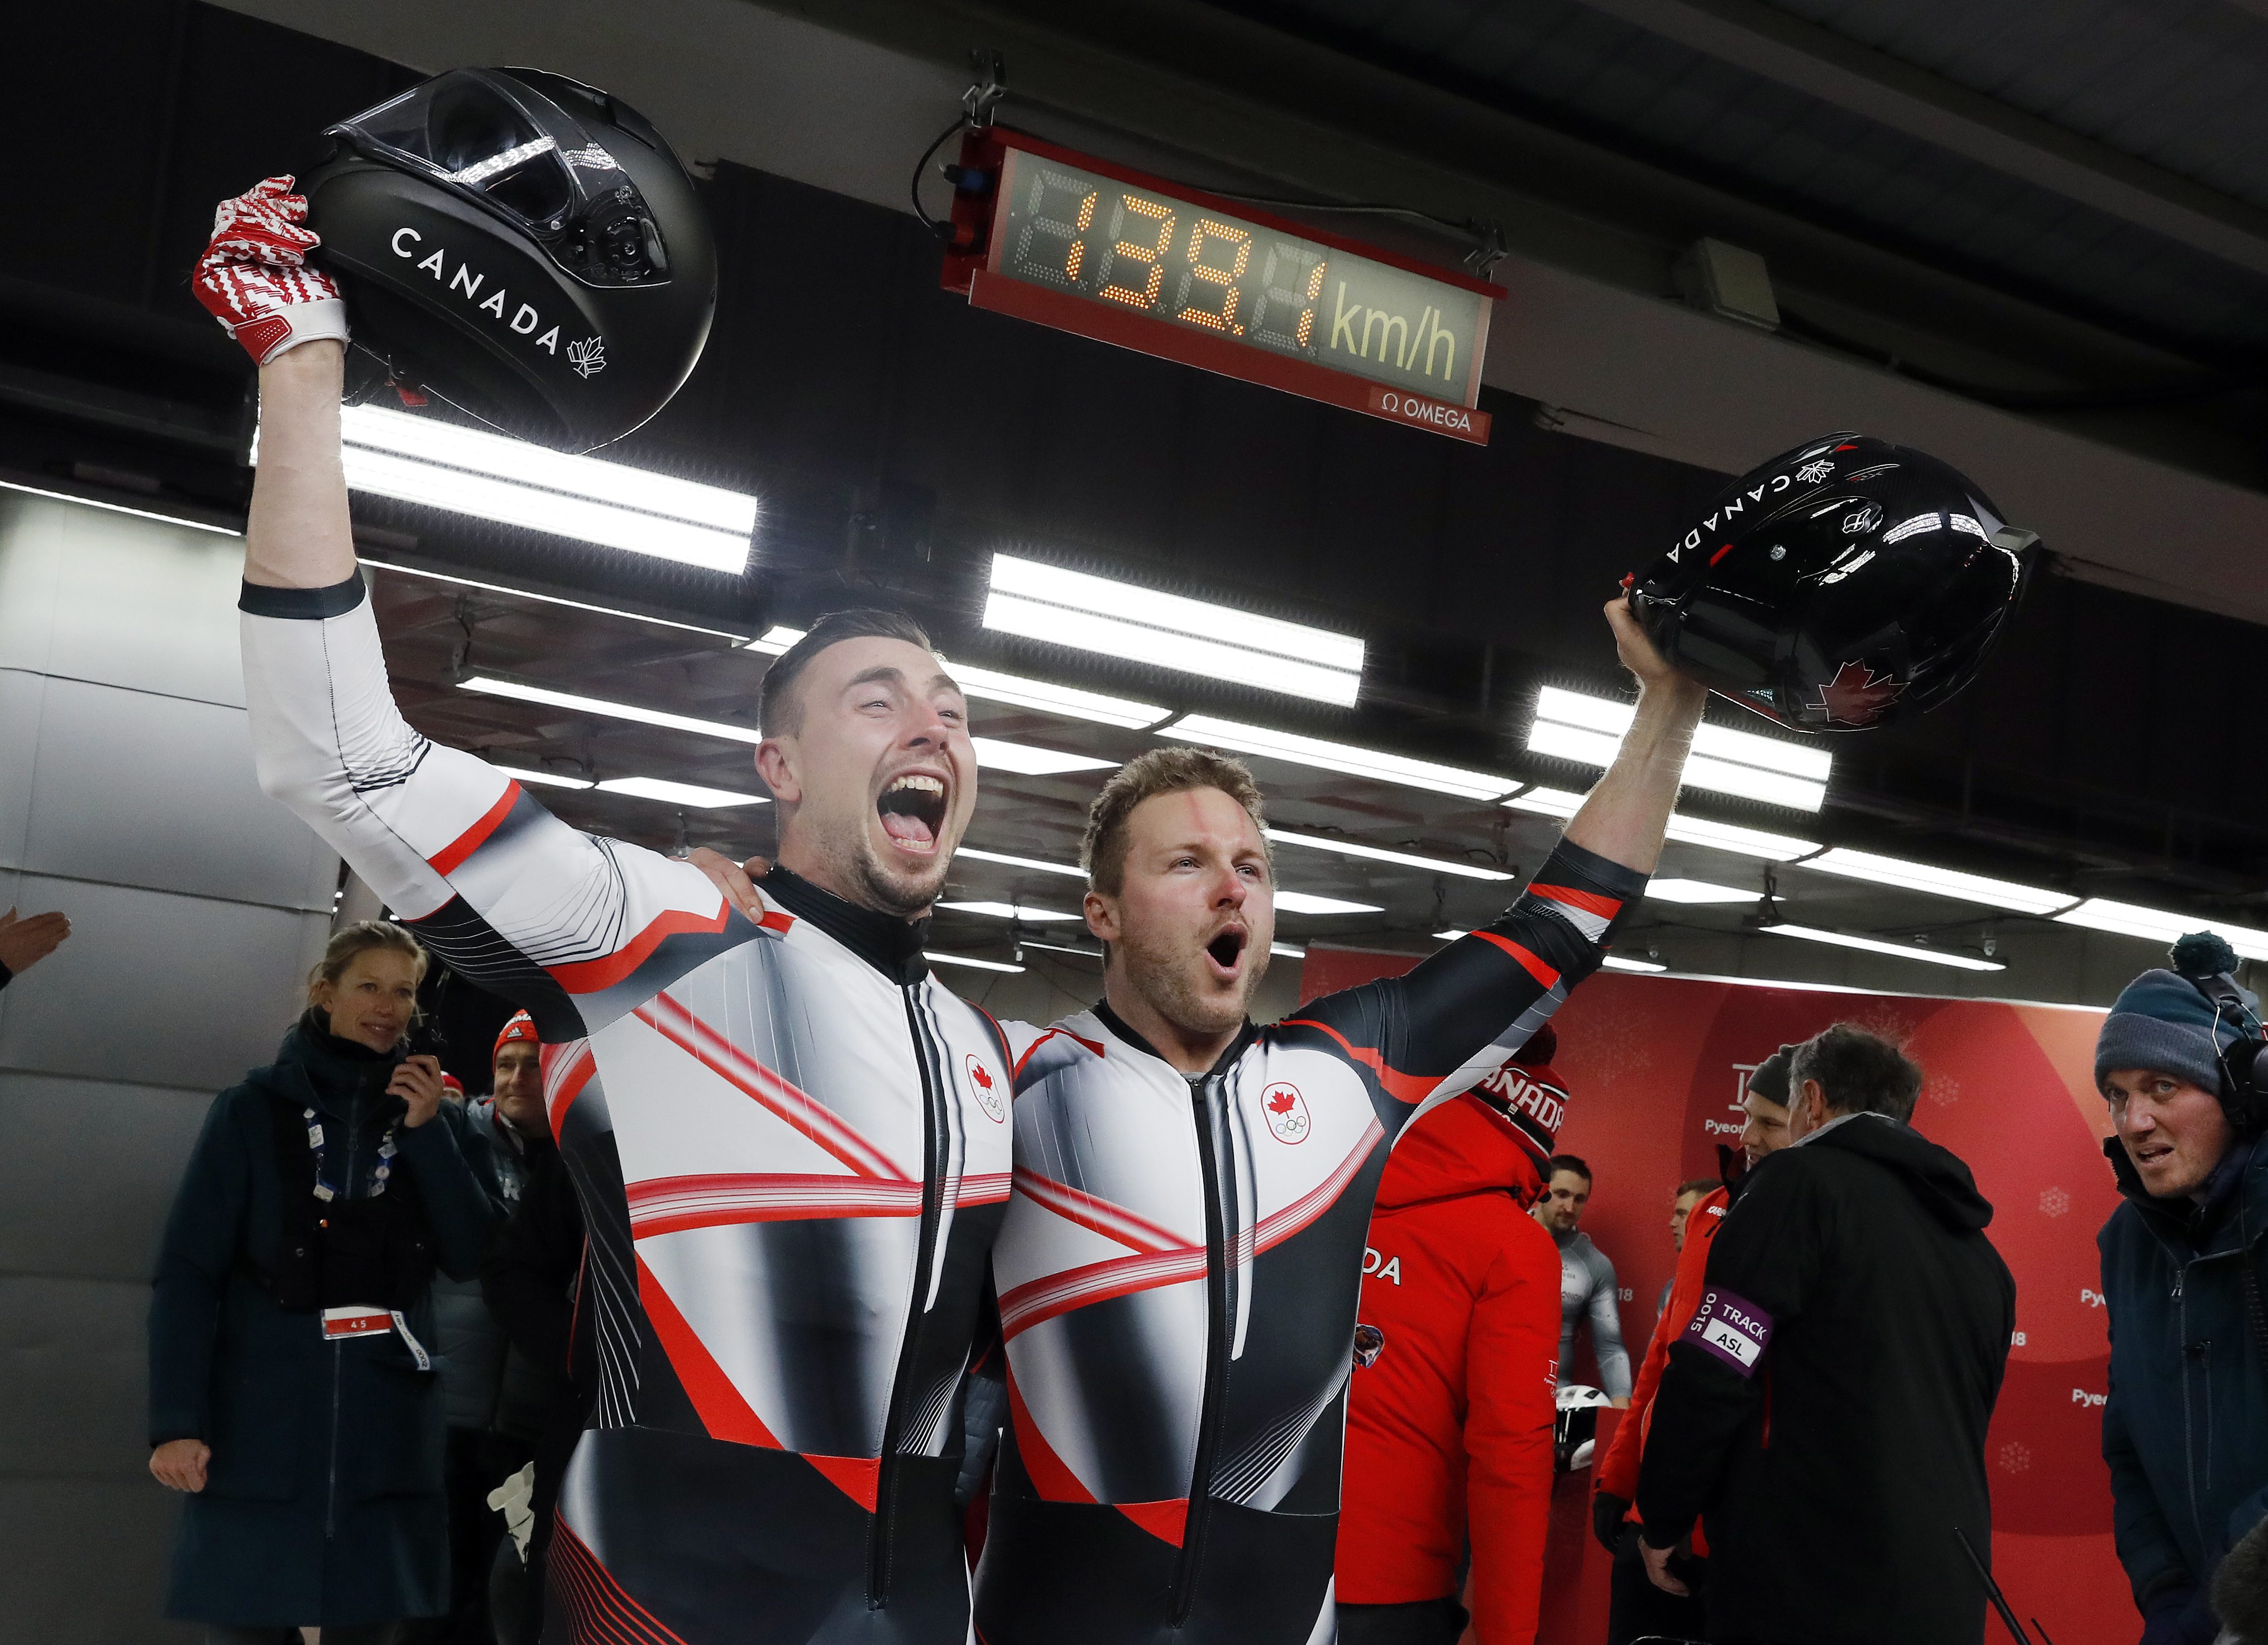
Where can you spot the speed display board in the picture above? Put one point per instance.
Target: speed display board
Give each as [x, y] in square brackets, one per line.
[1083, 245]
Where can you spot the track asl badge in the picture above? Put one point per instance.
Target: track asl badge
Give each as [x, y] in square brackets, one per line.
[988, 1090]
[1287, 1112]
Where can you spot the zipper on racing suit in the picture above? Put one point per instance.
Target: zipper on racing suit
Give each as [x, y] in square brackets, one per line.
[1202, 1088]
[880, 1539]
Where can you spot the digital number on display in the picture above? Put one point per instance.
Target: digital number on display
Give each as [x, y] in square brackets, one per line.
[1074, 231]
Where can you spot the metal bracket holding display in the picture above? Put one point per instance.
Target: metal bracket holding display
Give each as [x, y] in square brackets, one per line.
[1085, 245]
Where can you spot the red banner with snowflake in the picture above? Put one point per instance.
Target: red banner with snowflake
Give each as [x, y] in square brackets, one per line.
[1657, 1067]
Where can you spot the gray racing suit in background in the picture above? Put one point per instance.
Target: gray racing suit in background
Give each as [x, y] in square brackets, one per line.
[1586, 1286]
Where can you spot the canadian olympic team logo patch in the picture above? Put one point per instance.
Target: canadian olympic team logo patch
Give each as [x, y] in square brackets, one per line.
[1287, 1112]
[987, 1089]
[1731, 1328]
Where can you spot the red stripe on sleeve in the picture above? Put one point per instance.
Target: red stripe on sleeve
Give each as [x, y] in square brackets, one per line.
[453, 854]
[1590, 902]
[588, 976]
[1403, 1088]
[1529, 962]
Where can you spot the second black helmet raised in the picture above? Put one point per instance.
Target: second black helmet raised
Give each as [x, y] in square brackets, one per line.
[522, 246]
[1846, 584]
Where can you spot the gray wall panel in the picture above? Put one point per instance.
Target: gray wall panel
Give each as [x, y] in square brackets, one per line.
[72, 1355]
[108, 1541]
[20, 695]
[211, 986]
[158, 792]
[94, 595]
[57, 1138]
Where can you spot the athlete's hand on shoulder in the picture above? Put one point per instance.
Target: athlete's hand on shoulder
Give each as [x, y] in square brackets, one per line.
[254, 279]
[417, 1082]
[179, 1465]
[736, 882]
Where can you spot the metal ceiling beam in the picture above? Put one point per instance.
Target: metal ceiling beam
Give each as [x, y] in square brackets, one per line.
[1764, 40]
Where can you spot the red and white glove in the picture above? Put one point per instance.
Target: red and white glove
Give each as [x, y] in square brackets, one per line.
[253, 276]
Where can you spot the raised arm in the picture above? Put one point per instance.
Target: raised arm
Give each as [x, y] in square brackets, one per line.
[1449, 1022]
[577, 929]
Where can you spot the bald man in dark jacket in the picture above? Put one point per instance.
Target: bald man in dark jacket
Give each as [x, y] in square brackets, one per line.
[1827, 1405]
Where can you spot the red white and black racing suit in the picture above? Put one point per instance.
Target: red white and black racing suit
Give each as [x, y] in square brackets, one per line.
[1178, 1278]
[792, 1149]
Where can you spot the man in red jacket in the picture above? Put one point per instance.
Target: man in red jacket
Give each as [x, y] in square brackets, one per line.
[1638, 1609]
[1449, 1421]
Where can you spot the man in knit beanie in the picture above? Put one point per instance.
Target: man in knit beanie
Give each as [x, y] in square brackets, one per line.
[2181, 1278]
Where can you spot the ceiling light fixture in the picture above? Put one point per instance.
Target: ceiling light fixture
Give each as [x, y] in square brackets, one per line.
[2127, 919]
[1289, 951]
[518, 691]
[1696, 891]
[491, 476]
[1072, 869]
[1019, 692]
[1379, 853]
[1024, 760]
[669, 792]
[542, 778]
[1616, 963]
[1589, 730]
[775, 639]
[1342, 757]
[1551, 802]
[1306, 902]
[121, 508]
[1059, 948]
[1921, 877]
[1217, 642]
[1747, 841]
[1007, 911]
[550, 600]
[970, 960]
[1874, 945]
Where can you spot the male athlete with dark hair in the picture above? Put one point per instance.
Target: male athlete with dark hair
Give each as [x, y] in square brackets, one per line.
[791, 1142]
[1179, 1272]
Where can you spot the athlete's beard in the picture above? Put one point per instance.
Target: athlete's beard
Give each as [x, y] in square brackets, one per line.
[847, 858]
[1162, 970]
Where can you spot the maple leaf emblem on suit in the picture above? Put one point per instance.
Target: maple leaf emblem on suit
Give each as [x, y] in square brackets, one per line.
[988, 1088]
[1286, 1111]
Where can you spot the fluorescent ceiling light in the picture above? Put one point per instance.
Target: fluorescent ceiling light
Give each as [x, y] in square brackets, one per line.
[2100, 913]
[1551, 802]
[1288, 950]
[775, 639]
[1067, 700]
[542, 778]
[119, 508]
[1452, 934]
[935, 958]
[1343, 758]
[1921, 877]
[680, 794]
[1072, 869]
[1589, 730]
[519, 692]
[550, 600]
[1674, 890]
[1026, 761]
[1007, 911]
[1616, 963]
[1058, 947]
[490, 476]
[1065, 608]
[1305, 902]
[1872, 944]
[1748, 842]
[1378, 854]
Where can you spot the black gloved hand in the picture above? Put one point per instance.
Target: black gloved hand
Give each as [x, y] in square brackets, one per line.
[1607, 1511]
[2179, 1616]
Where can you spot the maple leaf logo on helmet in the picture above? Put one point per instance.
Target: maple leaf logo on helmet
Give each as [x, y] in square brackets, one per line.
[1857, 695]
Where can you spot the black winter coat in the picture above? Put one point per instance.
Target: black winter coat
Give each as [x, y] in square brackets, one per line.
[2185, 1430]
[323, 1503]
[1827, 1408]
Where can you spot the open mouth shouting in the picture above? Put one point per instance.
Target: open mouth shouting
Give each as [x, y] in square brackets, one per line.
[913, 808]
[1225, 953]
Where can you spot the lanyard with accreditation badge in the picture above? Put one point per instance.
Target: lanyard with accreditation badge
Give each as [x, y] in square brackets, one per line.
[361, 1319]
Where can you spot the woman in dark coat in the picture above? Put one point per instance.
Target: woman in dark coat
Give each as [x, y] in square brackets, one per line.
[292, 1391]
